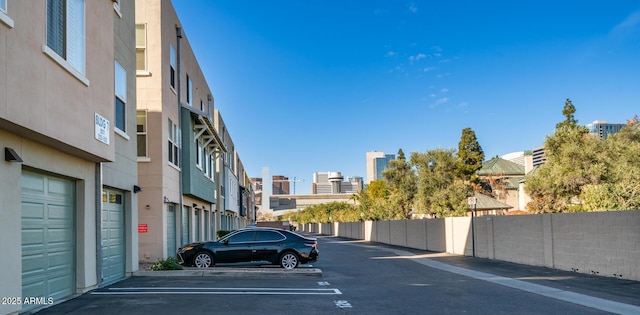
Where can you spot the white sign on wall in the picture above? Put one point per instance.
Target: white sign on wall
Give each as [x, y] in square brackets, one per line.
[102, 129]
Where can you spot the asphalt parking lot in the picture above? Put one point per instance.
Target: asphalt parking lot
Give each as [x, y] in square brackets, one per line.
[250, 288]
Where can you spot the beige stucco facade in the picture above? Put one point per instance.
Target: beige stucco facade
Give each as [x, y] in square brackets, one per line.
[180, 200]
[48, 111]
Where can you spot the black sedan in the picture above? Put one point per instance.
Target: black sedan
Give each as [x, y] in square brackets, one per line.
[276, 246]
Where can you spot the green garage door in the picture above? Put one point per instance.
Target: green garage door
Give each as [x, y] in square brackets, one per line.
[113, 236]
[48, 236]
[172, 251]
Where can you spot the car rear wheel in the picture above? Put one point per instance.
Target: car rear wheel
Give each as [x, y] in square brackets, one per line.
[289, 260]
[203, 260]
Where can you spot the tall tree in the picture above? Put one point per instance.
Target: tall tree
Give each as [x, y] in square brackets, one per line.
[568, 112]
[574, 159]
[372, 201]
[470, 156]
[402, 182]
[439, 193]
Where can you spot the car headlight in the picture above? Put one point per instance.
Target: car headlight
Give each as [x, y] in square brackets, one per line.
[184, 249]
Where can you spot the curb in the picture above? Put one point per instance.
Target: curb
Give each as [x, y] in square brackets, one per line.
[233, 272]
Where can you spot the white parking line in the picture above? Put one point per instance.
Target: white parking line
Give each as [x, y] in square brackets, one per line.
[219, 291]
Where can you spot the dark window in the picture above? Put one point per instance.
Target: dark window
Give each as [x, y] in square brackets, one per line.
[56, 26]
[120, 121]
[269, 236]
[241, 237]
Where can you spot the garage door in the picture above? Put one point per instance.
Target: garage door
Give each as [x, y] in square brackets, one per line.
[172, 251]
[48, 235]
[113, 236]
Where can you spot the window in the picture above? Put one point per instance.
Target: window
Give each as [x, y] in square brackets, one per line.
[121, 96]
[66, 31]
[198, 153]
[141, 128]
[269, 236]
[4, 18]
[172, 70]
[211, 167]
[241, 237]
[189, 91]
[141, 47]
[174, 144]
[201, 106]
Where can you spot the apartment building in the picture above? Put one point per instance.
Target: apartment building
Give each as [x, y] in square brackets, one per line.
[67, 128]
[236, 199]
[178, 145]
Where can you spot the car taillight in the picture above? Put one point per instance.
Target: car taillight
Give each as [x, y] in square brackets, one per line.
[314, 245]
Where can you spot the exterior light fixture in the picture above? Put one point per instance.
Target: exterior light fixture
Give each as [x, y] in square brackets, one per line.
[11, 156]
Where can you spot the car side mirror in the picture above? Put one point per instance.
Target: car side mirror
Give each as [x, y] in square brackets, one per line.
[226, 242]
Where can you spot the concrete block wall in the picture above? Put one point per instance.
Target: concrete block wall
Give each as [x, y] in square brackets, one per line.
[600, 243]
[398, 233]
[436, 235]
[416, 234]
[518, 239]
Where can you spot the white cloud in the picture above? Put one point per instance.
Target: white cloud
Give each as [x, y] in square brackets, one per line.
[439, 102]
[417, 57]
[432, 95]
[632, 21]
[427, 69]
[413, 8]
[445, 90]
[391, 54]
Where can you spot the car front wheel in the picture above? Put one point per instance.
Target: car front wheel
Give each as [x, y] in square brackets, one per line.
[203, 260]
[289, 260]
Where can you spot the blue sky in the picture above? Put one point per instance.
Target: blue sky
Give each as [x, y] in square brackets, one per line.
[308, 86]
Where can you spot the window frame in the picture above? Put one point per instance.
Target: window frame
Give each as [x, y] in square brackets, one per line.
[120, 91]
[172, 67]
[142, 48]
[4, 14]
[198, 153]
[189, 94]
[144, 133]
[173, 139]
[78, 67]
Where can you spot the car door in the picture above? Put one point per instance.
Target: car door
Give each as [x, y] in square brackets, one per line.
[236, 248]
[268, 245]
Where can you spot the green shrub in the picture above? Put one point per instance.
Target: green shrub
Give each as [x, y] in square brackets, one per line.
[222, 233]
[166, 264]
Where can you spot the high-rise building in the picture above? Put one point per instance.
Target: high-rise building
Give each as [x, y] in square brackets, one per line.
[330, 183]
[376, 163]
[281, 185]
[603, 129]
[538, 156]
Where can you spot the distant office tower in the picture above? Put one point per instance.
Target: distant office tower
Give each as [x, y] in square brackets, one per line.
[603, 129]
[281, 185]
[376, 163]
[330, 183]
[538, 156]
